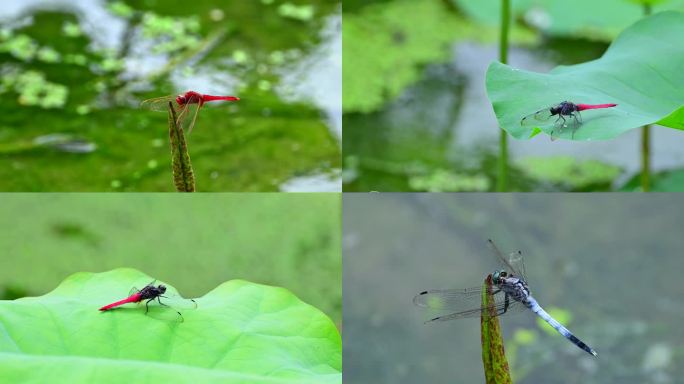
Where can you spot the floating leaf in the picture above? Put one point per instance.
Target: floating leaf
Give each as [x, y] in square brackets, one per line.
[569, 172]
[183, 175]
[443, 180]
[665, 181]
[641, 72]
[241, 332]
[493, 354]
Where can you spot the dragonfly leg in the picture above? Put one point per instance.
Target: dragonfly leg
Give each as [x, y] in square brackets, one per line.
[160, 300]
[506, 303]
[560, 126]
[560, 117]
[146, 305]
[577, 124]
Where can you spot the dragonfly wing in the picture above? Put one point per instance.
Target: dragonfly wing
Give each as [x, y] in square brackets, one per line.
[194, 117]
[186, 115]
[449, 299]
[516, 260]
[170, 307]
[178, 302]
[499, 308]
[164, 313]
[512, 264]
[158, 103]
[465, 302]
[537, 117]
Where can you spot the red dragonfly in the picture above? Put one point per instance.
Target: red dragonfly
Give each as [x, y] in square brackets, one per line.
[189, 103]
[565, 109]
[151, 293]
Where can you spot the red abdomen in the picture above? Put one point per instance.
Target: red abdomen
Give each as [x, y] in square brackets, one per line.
[582, 107]
[134, 298]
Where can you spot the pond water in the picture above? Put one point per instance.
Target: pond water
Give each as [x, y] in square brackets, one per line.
[94, 61]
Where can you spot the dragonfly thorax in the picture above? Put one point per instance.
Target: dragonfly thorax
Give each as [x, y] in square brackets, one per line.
[512, 285]
[151, 291]
[189, 97]
[564, 108]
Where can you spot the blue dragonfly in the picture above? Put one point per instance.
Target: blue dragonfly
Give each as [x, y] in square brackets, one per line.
[510, 291]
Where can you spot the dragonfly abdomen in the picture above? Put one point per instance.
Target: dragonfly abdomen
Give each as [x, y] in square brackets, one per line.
[532, 304]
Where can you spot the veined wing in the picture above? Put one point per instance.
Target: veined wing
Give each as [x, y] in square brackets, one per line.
[135, 289]
[514, 262]
[158, 103]
[177, 301]
[542, 115]
[191, 110]
[465, 302]
[170, 308]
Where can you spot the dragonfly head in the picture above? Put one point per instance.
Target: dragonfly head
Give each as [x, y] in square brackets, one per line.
[161, 288]
[498, 276]
[181, 99]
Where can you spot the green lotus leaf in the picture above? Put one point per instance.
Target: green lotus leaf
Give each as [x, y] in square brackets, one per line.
[240, 332]
[641, 72]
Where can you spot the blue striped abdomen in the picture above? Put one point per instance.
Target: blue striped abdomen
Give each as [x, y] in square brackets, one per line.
[532, 304]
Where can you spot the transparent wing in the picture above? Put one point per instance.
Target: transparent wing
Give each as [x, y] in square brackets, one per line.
[135, 289]
[465, 302]
[449, 299]
[177, 301]
[132, 291]
[537, 117]
[158, 103]
[513, 263]
[518, 262]
[195, 111]
[169, 307]
[186, 116]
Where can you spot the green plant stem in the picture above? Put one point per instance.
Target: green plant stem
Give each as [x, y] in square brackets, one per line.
[646, 141]
[496, 368]
[502, 178]
[183, 175]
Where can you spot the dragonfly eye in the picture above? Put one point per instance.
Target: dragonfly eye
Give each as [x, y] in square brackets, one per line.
[181, 100]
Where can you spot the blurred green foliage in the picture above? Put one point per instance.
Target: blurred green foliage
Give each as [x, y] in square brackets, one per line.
[288, 240]
[666, 181]
[568, 173]
[384, 49]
